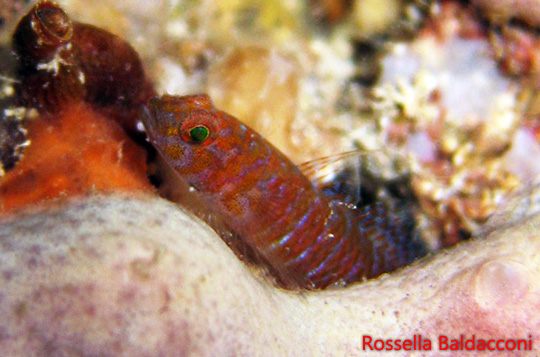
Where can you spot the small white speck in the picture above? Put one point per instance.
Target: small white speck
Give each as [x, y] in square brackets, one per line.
[54, 65]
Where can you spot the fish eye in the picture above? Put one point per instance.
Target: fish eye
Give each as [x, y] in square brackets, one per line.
[199, 133]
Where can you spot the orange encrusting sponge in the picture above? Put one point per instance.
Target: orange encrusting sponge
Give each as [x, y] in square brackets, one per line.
[75, 152]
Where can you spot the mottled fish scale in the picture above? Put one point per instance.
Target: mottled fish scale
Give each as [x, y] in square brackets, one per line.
[303, 237]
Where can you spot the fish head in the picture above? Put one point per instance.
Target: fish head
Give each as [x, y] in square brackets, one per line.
[198, 141]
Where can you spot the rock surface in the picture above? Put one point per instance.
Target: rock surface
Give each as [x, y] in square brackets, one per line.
[118, 275]
[502, 10]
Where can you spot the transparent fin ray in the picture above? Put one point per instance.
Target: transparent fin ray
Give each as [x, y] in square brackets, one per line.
[343, 169]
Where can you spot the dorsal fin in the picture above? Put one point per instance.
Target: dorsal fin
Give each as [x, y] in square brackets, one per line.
[319, 168]
[350, 177]
[341, 171]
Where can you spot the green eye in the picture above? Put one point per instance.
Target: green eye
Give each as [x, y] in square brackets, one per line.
[199, 133]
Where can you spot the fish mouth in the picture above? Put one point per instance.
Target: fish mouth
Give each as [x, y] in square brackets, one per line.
[160, 125]
[148, 120]
[152, 120]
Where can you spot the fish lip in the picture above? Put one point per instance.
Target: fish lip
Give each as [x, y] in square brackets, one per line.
[148, 119]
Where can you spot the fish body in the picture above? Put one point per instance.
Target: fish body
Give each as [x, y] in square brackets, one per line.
[278, 217]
